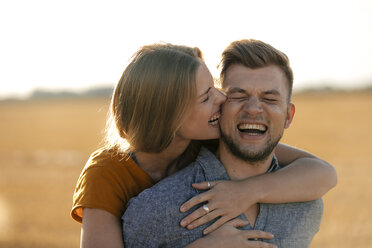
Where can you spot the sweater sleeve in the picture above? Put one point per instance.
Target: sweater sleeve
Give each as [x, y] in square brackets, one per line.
[99, 187]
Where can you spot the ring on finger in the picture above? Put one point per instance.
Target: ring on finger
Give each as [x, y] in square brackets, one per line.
[209, 184]
[206, 209]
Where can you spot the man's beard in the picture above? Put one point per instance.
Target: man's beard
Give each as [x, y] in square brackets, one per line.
[249, 156]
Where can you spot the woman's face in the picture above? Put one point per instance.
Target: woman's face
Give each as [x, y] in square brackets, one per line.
[201, 122]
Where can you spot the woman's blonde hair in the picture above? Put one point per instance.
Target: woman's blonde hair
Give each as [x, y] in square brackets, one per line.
[152, 96]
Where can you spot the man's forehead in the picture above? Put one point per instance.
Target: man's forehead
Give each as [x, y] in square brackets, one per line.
[247, 86]
[251, 90]
[241, 78]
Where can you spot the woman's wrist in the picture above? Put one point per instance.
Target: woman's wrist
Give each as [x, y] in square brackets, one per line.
[256, 192]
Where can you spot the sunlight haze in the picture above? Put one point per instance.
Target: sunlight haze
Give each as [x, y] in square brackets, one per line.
[77, 45]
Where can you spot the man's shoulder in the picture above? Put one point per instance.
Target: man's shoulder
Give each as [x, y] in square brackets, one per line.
[297, 210]
[159, 206]
[295, 224]
[180, 182]
[166, 189]
[309, 207]
[169, 191]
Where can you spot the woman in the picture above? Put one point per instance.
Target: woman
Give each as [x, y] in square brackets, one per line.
[163, 105]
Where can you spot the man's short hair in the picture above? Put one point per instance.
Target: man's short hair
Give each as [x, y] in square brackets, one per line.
[255, 54]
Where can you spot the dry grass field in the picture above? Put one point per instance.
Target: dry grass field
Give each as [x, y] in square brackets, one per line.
[45, 143]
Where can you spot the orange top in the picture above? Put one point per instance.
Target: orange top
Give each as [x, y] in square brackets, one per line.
[107, 182]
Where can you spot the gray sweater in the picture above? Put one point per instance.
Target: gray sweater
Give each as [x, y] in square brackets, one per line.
[152, 218]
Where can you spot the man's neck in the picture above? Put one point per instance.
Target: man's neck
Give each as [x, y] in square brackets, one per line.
[238, 169]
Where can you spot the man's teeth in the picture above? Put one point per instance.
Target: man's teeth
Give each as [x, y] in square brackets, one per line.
[214, 119]
[252, 128]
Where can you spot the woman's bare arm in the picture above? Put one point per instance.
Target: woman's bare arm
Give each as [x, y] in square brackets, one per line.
[287, 154]
[304, 178]
[100, 229]
[309, 177]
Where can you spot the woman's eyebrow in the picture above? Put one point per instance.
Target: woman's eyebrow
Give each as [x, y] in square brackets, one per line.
[205, 92]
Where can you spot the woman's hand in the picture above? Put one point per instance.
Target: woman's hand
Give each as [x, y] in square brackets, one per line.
[229, 236]
[225, 199]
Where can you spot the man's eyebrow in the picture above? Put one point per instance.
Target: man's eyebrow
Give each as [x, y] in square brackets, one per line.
[235, 90]
[205, 92]
[271, 92]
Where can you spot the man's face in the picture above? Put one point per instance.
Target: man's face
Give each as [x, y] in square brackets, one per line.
[256, 111]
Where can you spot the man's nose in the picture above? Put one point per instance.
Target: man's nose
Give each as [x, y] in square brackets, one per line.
[253, 106]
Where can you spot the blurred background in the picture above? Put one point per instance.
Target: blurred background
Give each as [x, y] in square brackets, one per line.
[60, 60]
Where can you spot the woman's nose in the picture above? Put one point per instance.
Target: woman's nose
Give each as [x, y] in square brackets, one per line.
[220, 97]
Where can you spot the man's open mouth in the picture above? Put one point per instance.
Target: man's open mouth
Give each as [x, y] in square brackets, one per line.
[252, 129]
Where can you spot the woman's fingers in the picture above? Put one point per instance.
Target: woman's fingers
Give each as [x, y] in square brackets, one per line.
[253, 235]
[203, 197]
[213, 209]
[259, 244]
[220, 222]
[237, 222]
[204, 185]
[204, 219]
[205, 210]
[245, 238]
[256, 234]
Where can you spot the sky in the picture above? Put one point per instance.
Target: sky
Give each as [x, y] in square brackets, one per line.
[75, 45]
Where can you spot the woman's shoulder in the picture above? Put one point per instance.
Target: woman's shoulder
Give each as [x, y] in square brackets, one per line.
[109, 158]
[112, 164]
[109, 179]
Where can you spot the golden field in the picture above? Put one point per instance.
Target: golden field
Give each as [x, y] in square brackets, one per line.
[45, 143]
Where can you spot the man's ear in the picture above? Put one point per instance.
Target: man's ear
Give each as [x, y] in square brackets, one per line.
[290, 114]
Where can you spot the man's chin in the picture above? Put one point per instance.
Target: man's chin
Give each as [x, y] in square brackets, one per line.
[250, 152]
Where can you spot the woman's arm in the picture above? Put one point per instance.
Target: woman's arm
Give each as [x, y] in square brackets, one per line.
[287, 154]
[305, 178]
[100, 229]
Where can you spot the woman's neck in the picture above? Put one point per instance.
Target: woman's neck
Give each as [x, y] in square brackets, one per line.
[156, 164]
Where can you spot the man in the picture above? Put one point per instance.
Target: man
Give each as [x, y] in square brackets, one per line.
[257, 80]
